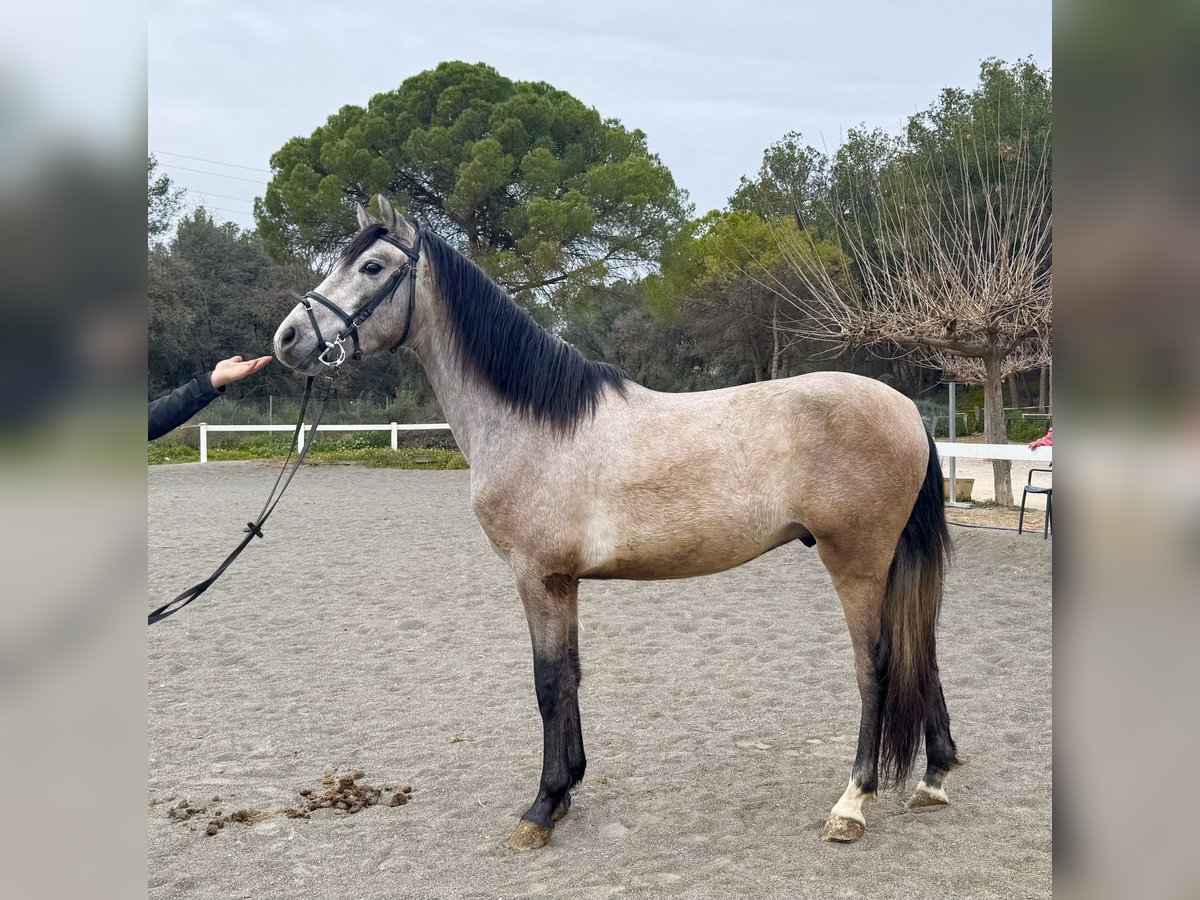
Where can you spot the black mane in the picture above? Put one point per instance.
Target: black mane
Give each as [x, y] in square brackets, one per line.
[539, 375]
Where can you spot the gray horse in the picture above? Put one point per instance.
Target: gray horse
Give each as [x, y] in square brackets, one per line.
[577, 473]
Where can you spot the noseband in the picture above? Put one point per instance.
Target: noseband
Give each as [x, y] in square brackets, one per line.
[333, 353]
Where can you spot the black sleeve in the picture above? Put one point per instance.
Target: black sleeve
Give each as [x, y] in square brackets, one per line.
[181, 404]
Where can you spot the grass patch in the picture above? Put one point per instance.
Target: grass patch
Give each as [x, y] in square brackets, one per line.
[429, 458]
[432, 459]
[990, 504]
[165, 453]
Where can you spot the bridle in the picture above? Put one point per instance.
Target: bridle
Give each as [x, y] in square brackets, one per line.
[354, 322]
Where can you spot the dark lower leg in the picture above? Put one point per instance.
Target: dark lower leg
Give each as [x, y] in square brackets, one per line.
[550, 607]
[940, 751]
[563, 759]
[866, 761]
[846, 821]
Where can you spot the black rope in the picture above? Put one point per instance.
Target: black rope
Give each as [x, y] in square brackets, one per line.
[254, 529]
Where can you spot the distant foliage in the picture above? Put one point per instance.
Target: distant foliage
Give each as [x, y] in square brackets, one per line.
[940, 413]
[570, 211]
[163, 200]
[214, 292]
[1026, 430]
[537, 188]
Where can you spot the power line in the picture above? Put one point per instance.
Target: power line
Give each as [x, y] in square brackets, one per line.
[216, 174]
[215, 162]
[240, 212]
[225, 209]
[222, 196]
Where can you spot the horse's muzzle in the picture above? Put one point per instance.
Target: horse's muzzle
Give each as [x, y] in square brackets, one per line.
[294, 351]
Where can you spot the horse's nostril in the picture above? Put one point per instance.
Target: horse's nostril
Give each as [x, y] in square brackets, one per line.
[288, 337]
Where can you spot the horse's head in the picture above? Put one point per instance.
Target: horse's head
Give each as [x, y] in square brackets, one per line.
[366, 303]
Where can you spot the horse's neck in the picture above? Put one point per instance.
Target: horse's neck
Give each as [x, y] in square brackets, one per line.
[471, 408]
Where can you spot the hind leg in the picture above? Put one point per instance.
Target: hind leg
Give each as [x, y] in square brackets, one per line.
[861, 600]
[940, 753]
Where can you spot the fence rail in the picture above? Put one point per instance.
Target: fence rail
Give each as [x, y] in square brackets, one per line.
[946, 449]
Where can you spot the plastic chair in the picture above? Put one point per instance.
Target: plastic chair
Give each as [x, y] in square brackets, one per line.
[1031, 488]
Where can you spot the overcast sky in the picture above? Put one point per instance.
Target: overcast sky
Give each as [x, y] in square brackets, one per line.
[710, 83]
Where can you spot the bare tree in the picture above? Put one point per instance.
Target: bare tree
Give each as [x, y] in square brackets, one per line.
[727, 275]
[954, 269]
[743, 319]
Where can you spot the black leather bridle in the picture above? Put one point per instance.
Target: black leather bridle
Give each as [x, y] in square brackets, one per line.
[354, 322]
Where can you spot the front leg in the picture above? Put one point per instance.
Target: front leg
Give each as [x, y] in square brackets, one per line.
[551, 611]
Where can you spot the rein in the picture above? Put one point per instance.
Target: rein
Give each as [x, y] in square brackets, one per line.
[254, 529]
[324, 391]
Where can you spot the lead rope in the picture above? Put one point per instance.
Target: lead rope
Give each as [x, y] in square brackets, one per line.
[254, 529]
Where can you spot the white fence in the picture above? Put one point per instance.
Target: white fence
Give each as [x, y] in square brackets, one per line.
[301, 436]
[946, 449]
[961, 450]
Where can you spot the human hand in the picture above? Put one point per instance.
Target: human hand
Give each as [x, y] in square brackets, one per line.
[1046, 440]
[234, 369]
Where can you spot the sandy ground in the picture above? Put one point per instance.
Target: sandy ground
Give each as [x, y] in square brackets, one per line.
[374, 630]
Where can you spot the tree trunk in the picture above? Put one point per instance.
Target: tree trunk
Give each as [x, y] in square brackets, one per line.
[994, 427]
[1042, 390]
[755, 362]
[775, 341]
[1013, 394]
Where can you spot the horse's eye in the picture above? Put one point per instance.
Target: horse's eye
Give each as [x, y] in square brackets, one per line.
[372, 268]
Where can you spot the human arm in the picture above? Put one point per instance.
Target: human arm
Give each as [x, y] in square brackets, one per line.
[1045, 441]
[184, 402]
[180, 405]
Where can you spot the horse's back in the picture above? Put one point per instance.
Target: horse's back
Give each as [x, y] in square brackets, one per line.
[799, 417]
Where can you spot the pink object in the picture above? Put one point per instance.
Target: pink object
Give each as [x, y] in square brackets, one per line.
[1046, 441]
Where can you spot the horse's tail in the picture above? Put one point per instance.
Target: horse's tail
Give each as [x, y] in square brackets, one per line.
[906, 657]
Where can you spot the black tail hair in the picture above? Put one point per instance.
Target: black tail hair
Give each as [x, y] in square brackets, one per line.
[906, 656]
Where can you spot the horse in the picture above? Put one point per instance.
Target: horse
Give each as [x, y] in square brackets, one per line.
[578, 473]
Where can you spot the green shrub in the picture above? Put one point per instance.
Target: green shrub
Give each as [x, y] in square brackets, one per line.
[969, 399]
[1026, 430]
[358, 440]
[929, 409]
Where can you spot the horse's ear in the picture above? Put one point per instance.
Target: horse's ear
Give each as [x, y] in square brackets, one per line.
[364, 217]
[387, 213]
[395, 223]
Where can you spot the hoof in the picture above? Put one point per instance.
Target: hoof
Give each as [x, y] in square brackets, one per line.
[927, 796]
[564, 807]
[841, 830]
[528, 836]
